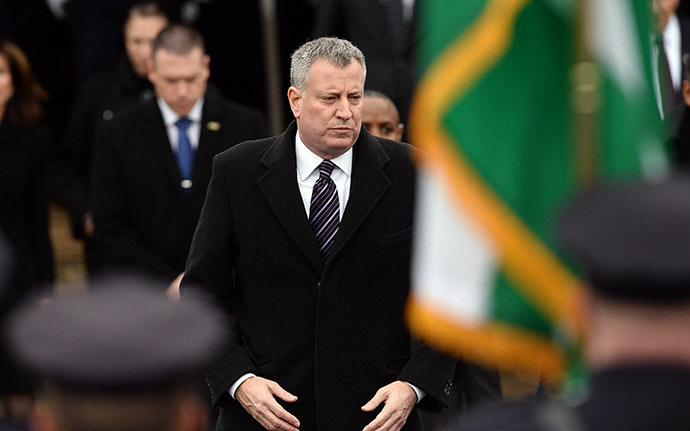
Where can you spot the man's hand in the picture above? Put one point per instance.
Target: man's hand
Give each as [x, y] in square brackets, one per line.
[256, 395]
[399, 399]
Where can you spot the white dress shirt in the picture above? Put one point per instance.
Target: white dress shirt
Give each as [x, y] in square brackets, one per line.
[170, 117]
[674, 51]
[308, 172]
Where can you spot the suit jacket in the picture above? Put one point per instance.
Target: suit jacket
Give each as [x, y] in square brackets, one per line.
[331, 332]
[144, 218]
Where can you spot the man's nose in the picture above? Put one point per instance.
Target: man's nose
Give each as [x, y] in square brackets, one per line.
[343, 109]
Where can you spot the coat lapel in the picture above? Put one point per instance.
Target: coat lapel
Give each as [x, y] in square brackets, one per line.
[279, 187]
[368, 185]
[158, 138]
[211, 122]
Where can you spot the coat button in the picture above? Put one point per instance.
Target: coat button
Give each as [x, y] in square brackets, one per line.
[446, 390]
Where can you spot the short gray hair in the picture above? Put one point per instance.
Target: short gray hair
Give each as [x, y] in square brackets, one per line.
[338, 52]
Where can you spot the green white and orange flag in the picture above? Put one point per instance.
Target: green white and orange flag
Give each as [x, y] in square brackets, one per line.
[504, 148]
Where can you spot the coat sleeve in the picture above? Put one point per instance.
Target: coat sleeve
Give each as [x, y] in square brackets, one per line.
[432, 372]
[74, 156]
[210, 268]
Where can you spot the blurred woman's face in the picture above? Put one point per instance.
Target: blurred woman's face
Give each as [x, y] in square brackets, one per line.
[6, 86]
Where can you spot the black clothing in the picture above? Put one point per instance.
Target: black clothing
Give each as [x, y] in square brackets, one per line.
[24, 205]
[101, 99]
[143, 214]
[632, 398]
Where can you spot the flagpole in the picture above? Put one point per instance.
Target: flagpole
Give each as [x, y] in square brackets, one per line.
[271, 48]
[586, 99]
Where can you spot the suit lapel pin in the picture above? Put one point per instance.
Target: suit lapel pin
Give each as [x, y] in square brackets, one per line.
[213, 126]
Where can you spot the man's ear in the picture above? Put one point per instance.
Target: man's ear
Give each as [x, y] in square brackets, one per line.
[150, 70]
[686, 91]
[206, 63]
[295, 98]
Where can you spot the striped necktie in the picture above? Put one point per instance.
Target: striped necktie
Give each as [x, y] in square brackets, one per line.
[324, 212]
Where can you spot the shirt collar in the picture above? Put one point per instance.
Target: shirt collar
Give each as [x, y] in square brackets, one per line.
[170, 116]
[307, 161]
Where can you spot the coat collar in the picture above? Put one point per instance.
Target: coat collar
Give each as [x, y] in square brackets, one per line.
[211, 123]
[279, 186]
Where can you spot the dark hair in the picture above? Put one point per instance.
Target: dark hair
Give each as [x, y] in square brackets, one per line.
[25, 107]
[178, 39]
[148, 9]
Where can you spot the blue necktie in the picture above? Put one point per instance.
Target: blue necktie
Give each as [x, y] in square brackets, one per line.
[324, 212]
[185, 152]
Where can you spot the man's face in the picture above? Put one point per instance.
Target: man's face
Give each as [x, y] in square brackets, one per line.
[140, 31]
[180, 80]
[663, 9]
[329, 110]
[381, 118]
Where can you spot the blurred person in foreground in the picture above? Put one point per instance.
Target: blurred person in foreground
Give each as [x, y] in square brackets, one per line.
[306, 238]
[633, 240]
[117, 357]
[153, 162]
[100, 100]
[25, 146]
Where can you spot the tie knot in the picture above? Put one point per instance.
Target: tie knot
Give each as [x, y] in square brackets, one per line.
[183, 123]
[326, 169]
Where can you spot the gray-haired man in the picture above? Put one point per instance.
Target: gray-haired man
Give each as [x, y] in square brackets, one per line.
[306, 239]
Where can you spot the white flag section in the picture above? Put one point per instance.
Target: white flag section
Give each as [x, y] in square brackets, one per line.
[454, 264]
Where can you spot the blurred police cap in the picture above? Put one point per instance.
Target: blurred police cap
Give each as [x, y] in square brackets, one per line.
[633, 239]
[121, 333]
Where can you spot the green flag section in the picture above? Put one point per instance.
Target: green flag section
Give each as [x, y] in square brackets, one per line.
[503, 151]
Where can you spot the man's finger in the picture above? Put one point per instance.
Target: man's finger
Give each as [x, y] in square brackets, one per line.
[378, 398]
[379, 421]
[284, 415]
[281, 393]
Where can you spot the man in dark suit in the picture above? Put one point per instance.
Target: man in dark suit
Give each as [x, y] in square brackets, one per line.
[306, 238]
[101, 99]
[153, 162]
[633, 241]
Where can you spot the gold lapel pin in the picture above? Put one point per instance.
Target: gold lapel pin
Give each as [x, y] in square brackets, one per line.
[213, 126]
